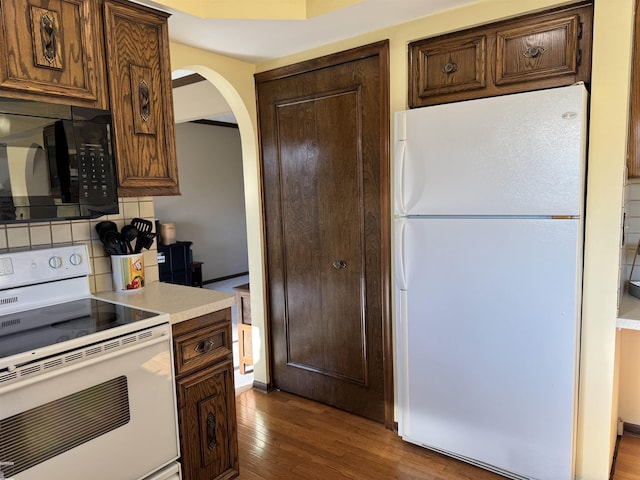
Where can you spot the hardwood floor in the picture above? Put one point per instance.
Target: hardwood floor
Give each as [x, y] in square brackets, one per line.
[628, 459]
[282, 436]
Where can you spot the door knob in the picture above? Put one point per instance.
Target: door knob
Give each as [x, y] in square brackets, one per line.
[339, 264]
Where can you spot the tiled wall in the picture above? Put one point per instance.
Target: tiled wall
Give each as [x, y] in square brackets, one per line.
[632, 232]
[48, 234]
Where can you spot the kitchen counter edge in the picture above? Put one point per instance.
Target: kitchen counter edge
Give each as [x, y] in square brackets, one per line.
[629, 313]
[179, 301]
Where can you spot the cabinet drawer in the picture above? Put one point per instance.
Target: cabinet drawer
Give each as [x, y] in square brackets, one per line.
[543, 50]
[451, 66]
[201, 348]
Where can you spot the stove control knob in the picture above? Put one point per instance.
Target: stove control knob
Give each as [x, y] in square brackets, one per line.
[75, 259]
[55, 262]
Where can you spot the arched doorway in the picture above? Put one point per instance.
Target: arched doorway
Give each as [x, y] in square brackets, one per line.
[253, 228]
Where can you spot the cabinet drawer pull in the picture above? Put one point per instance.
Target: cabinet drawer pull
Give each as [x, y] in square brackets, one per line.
[533, 52]
[204, 346]
[49, 39]
[450, 67]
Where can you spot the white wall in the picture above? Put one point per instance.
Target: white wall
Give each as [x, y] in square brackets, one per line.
[198, 100]
[210, 212]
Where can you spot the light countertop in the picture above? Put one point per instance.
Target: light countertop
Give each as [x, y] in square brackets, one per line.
[629, 313]
[179, 301]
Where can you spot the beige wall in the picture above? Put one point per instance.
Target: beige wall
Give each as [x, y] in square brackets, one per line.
[607, 147]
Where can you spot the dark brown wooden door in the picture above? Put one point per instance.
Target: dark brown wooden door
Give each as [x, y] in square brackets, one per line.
[324, 135]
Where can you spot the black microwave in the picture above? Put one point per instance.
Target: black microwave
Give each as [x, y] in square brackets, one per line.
[56, 162]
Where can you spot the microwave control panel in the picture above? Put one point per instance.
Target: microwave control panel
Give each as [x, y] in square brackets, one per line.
[95, 174]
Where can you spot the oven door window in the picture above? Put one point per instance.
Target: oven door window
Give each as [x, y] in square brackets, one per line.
[40, 433]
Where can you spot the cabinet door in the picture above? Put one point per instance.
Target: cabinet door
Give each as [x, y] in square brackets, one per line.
[450, 66]
[51, 48]
[140, 90]
[538, 50]
[207, 417]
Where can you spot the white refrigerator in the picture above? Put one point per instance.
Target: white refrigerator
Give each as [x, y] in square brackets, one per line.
[489, 199]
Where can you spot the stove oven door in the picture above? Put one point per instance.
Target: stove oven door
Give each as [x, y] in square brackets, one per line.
[104, 412]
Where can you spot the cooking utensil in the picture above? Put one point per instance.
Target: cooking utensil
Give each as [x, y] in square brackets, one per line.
[104, 227]
[148, 239]
[144, 227]
[114, 244]
[129, 233]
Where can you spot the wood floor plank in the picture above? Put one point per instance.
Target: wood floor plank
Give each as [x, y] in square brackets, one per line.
[627, 465]
[282, 436]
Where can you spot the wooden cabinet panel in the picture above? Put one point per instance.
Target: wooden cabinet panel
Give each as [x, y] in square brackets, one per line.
[542, 50]
[206, 404]
[140, 89]
[451, 66]
[206, 397]
[52, 49]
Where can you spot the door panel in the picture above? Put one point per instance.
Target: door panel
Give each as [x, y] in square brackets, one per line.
[322, 298]
[325, 172]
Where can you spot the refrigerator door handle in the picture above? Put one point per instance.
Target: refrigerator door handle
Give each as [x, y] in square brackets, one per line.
[401, 146]
[401, 278]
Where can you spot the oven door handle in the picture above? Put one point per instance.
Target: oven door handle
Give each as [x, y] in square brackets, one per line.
[84, 362]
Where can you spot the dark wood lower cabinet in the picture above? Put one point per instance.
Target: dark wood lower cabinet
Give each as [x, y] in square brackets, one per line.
[206, 397]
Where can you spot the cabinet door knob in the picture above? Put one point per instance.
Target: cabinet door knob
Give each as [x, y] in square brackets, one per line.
[204, 346]
[534, 51]
[339, 264]
[450, 67]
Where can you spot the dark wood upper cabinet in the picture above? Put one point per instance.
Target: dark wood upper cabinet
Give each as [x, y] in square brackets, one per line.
[52, 49]
[139, 72]
[542, 50]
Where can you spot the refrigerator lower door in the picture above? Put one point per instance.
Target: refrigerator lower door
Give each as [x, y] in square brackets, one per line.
[488, 340]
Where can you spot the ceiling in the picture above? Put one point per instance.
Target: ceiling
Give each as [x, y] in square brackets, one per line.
[259, 30]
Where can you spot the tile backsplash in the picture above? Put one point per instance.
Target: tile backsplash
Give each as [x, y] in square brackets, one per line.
[48, 234]
[631, 232]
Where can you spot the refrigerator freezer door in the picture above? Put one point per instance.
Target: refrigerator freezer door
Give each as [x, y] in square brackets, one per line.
[487, 338]
[521, 154]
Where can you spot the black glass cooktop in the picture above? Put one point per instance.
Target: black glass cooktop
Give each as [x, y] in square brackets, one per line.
[40, 327]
